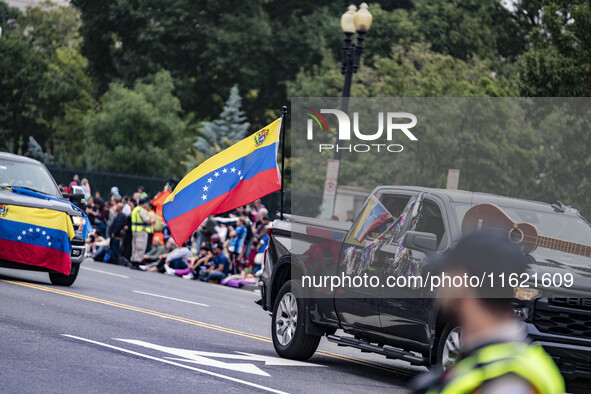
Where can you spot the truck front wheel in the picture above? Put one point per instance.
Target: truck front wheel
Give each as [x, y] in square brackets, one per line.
[65, 280]
[289, 324]
[448, 349]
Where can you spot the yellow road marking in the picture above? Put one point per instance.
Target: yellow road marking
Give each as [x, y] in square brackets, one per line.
[196, 323]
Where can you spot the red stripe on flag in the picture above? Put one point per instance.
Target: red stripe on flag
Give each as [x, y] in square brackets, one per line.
[40, 256]
[248, 190]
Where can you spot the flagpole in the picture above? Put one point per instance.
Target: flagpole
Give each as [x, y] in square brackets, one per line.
[283, 117]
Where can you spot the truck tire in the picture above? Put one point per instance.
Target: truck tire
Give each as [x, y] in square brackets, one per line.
[289, 324]
[65, 280]
[449, 345]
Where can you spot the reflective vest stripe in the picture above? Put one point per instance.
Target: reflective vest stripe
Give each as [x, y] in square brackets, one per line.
[530, 362]
[137, 224]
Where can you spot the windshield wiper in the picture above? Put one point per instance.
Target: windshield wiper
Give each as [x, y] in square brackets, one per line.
[28, 188]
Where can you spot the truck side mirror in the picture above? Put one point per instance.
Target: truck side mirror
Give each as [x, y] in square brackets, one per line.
[418, 240]
[77, 192]
[77, 195]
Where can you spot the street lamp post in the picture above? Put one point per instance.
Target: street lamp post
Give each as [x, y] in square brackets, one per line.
[352, 22]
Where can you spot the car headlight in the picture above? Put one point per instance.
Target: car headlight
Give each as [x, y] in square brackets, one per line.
[78, 220]
[525, 293]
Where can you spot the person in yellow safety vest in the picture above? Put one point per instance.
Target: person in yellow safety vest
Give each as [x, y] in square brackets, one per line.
[494, 354]
[141, 229]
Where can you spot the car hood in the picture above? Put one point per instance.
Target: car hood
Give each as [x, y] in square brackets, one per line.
[578, 266]
[11, 198]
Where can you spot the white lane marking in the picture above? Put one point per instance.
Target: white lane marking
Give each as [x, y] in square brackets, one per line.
[190, 356]
[268, 360]
[105, 272]
[203, 371]
[205, 358]
[169, 298]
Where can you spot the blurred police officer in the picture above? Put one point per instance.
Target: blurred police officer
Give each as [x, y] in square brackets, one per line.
[495, 355]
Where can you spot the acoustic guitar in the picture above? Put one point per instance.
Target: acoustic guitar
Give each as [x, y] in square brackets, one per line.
[489, 217]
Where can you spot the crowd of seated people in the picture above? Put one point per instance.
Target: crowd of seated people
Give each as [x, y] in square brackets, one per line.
[227, 248]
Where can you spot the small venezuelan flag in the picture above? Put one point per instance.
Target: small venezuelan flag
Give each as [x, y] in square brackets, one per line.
[36, 236]
[232, 178]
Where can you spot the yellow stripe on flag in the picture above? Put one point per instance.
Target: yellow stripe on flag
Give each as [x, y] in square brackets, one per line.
[40, 217]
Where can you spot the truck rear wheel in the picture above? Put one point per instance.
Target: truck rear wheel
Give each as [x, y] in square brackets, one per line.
[65, 280]
[289, 324]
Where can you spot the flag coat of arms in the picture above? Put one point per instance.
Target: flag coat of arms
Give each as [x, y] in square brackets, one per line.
[36, 236]
[234, 177]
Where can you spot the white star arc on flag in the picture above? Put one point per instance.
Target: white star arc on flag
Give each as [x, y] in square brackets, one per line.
[204, 197]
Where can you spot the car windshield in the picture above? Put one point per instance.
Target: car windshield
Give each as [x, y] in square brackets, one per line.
[27, 175]
[563, 226]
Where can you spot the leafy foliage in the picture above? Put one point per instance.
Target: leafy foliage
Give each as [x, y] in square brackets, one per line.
[558, 62]
[225, 131]
[49, 27]
[137, 130]
[21, 78]
[35, 151]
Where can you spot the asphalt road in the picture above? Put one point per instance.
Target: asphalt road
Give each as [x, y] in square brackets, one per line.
[117, 330]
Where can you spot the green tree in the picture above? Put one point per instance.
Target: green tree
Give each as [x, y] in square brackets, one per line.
[565, 160]
[466, 28]
[35, 151]
[225, 131]
[137, 130]
[7, 13]
[68, 95]
[203, 44]
[483, 154]
[21, 79]
[44, 83]
[416, 71]
[388, 29]
[210, 46]
[49, 26]
[558, 62]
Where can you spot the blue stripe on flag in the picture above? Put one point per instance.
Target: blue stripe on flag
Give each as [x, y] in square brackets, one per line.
[221, 181]
[34, 235]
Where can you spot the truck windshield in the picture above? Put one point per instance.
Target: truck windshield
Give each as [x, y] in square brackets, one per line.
[27, 175]
[563, 226]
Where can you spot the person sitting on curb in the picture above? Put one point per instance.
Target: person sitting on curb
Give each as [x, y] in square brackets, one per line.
[177, 259]
[219, 268]
[154, 253]
[204, 258]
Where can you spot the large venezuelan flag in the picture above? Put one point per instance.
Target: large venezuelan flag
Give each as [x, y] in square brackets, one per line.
[232, 178]
[36, 236]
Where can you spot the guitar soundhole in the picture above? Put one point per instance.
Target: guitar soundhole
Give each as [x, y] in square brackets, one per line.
[515, 235]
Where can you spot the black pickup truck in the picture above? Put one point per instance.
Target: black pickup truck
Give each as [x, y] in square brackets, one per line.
[29, 174]
[392, 235]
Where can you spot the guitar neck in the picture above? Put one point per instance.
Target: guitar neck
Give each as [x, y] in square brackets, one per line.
[564, 246]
